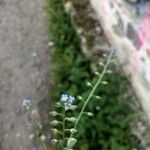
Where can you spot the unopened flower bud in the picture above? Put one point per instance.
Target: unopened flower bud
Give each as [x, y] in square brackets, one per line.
[80, 97]
[97, 97]
[109, 71]
[97, 73]
[101, 64]
[89, 84]
[105, 55]
[90, 114]
[105, 82]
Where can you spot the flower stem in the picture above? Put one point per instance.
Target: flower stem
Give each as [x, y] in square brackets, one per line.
[64, 115]
[92, 93]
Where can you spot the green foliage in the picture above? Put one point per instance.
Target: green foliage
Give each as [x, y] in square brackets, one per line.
[109, 128]
[70, 65]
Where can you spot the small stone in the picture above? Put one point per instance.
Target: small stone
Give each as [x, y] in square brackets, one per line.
[18, 110]
[8, 87]
[98, 29]
[50, 44]
[38, 83]
[31, 136]
[34, 54]
[37, 62]
[18, 135]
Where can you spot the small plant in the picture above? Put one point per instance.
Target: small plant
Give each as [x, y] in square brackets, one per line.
[65, 137]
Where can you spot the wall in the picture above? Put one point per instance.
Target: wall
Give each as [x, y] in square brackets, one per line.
[129, 34]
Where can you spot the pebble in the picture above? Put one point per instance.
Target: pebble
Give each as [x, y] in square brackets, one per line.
[31, 136]
[34, 54]
[37, 62]
[18, 110]
[18, 135]
[50, 44]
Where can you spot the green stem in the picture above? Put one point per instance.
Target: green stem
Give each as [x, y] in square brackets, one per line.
[64, 114]
[91, 93]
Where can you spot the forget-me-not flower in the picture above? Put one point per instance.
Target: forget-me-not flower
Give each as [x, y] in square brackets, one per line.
[68, 100]
[71, 99]
[27, 103]
[64, 98]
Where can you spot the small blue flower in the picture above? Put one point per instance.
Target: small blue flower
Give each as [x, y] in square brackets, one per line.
[27, 103]
[71, 99]
[64, 98]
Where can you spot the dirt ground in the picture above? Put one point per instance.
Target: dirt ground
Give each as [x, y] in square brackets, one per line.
[24, 70]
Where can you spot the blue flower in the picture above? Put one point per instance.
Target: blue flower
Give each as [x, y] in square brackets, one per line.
[64, 98]
[27, 103]
[71, 99]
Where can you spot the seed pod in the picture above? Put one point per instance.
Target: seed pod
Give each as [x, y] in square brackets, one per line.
[54, 123]
[90, 114]
[53, 113]
[97, 73]
[55, 131]
[72, 119]
[73, 107]
[104, 82]
[71, 142]
[73, 130]
[89, 84]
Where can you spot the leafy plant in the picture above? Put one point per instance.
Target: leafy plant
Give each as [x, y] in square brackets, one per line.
[65, 140]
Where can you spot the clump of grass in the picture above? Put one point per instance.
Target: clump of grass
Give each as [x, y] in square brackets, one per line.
[109, 128]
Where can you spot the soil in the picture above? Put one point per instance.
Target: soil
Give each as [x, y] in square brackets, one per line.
[24, 70]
